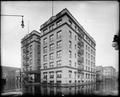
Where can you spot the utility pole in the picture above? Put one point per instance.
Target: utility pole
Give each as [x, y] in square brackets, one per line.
[52, 7]
[22, 22]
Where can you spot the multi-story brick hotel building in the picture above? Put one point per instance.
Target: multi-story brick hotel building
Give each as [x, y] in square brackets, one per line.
[67, 51]
[30, 55]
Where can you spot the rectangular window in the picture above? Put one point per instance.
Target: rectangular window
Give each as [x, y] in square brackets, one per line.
[91, 51]
[45, 30]
[58, 63]
[79, 30]
[94, 53]
[75, 28]
[88, 55]
[30, 54]
[75, 55]
[59, 22]
[38, 38]
[75, 76]
[45, 76]
[51, 47]
[51, 74]
[70, 22]
[44, 41]
[30, 61]
[78, 75]
[86, 61]
[51, 56]
[88, 68]
[45, 58]
[59, 74]
[70, 54]
[70, 62]
[59, 44]
[51, 27]
[86, 75]
[70, 73]
[38, 49]
[45, 65]
[59, 54]
[51, 37]
[75, 64]
[70, 44]
[59, 34]
[91, 64]
[45, 49]
[30, 47]
[70, 81]
[91, 57]
[75, 37]
[70, 34]
[51, 64]
[86, 47]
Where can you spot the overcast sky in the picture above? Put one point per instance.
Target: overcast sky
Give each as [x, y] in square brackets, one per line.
[99, 19]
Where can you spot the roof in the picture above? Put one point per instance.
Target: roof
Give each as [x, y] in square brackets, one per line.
[28, 35]
[65, 11]
[8, 68]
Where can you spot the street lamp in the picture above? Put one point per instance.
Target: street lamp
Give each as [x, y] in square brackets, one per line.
[22, 22]
[115, 42]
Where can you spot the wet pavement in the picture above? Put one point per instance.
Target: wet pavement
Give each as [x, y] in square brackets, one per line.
[99, 88]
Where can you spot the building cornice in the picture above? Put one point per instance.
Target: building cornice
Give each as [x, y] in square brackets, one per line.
[66, 12]
[30, 35]
[30, 43]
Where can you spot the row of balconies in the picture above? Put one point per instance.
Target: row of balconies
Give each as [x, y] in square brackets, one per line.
[80, 52]
[80, 44]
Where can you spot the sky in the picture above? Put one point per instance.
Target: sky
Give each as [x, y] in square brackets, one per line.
[99, 18]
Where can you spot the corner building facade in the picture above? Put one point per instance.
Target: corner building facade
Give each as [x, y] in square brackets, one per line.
[67, 51]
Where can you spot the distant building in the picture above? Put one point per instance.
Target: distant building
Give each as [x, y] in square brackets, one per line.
[9, 74]
[30, 48]
[67, 51]
[99, 73]
[116, 74]
[18, 75]
[104, 73]
[109, 72]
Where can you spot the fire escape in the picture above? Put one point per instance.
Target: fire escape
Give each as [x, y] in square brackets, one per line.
[80, 54]
[25, 61]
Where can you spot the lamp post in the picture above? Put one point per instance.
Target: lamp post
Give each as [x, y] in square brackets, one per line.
[115, 42]
[22, 22]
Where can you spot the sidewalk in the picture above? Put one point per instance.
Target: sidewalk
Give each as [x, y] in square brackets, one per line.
[112, 93]
[12, 92]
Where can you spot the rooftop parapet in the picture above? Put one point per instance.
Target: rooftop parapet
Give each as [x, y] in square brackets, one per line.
[63, 12]
[30, 34]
